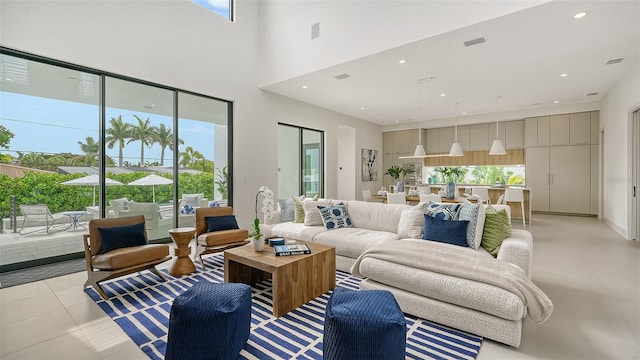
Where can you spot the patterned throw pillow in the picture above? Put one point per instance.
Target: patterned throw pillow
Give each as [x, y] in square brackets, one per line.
[475, 214]
[411, 222]
[287, 209]
[497, 227]
[443, 211]
[335, 217]
[446, 231]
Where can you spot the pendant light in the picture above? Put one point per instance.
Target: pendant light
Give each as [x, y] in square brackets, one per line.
[456, 148]
[497, 148]
[419, 153]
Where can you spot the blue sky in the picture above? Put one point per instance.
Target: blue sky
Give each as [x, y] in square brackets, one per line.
[54, 126]
[220, 7]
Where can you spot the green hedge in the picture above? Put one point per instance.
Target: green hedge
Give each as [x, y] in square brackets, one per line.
[38, 188]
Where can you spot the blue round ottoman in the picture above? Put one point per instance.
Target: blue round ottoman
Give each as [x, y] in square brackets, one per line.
[209, 321]
[364, 324]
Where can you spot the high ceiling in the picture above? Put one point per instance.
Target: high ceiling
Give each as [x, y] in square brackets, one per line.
[522, 61]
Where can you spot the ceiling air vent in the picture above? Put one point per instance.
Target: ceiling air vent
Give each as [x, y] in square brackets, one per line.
[342, 76]
[592, 94]
[614, 61]
[477, 41]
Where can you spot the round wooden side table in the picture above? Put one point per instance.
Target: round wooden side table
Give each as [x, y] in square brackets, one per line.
[183, 265]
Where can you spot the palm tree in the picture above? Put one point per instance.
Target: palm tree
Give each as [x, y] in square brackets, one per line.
[143, 132]
[186, 157]
[164, 138]
[91, 148]
[117, 133]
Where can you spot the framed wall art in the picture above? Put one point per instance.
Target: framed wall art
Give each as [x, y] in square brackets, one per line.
[369, 165]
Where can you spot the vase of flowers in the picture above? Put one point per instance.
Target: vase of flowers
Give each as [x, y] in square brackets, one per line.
[256, 236]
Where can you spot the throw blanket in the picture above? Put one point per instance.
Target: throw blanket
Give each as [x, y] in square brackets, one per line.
[463, 263]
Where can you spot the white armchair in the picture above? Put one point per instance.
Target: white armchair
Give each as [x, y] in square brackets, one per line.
[157, 226]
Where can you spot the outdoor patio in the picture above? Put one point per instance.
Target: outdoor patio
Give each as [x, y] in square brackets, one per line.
[16, 248]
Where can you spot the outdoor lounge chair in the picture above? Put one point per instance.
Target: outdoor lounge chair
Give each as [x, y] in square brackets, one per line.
[39, 215]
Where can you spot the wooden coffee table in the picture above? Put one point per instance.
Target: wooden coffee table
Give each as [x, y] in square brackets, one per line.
[296, 279]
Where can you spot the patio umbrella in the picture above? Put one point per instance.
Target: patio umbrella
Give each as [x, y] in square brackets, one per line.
[91, 180]
[152, 180]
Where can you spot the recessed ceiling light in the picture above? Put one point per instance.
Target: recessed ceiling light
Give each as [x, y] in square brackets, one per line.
[443, 94]
[402, 61]
[304, 86]
[556, 101]
[397, 121]
[564, 75]
[581, 14]
[362, 108]
[464, 113]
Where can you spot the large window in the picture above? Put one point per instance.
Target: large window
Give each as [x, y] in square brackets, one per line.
[300, 161]
[83, 144]
[481, 175]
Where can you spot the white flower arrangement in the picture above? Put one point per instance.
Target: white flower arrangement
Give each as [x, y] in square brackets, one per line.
[267, 210]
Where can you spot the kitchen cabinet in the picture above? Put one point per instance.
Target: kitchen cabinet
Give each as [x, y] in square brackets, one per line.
[560, 179]
[538, 177]
[463, 137]
[531, 132]
[570, 185]
[595, 127]
[446, 139]
[580, 128]
[543, 131]
[514, 134]
[479, 137]
[433, 141]
[558, 130]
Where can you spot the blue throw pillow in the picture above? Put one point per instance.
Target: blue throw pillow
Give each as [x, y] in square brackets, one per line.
[219, 223]
[446, 231]
[122, 236]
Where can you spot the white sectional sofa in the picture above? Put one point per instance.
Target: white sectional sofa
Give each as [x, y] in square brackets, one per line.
[471, 304]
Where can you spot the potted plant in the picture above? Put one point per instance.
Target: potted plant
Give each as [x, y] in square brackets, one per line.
[450, 175]
[395, 172]
[256, 235]
[221, 182]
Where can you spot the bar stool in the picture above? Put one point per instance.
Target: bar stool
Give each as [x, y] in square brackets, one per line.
[515, 195]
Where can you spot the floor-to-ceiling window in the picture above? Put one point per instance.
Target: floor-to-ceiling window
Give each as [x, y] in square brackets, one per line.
[300, 161]
[80, 143]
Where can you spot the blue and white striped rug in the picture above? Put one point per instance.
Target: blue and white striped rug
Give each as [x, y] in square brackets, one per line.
[141, 304]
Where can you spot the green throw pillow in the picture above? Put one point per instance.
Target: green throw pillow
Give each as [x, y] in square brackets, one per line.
[497, 227]
[298, 215]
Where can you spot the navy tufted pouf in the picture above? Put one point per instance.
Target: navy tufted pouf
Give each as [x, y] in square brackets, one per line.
[209, 321]
[364, 324]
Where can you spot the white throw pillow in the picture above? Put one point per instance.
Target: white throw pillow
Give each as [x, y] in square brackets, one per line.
[312, 216]
[411, 222]
[192, 200]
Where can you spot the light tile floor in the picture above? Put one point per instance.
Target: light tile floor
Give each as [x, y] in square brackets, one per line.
[590, 273]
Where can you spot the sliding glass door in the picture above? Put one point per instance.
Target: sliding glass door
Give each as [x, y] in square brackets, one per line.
[77, 144]
[300, 161]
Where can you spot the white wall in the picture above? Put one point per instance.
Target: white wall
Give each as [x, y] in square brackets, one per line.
[178, 44]
[617, 106]
[354, 29]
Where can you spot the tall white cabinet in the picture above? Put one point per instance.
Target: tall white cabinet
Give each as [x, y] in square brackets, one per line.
[561, 159]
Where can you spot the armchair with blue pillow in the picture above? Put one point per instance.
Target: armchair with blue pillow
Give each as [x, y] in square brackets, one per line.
[217, 230]
[117, 247]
